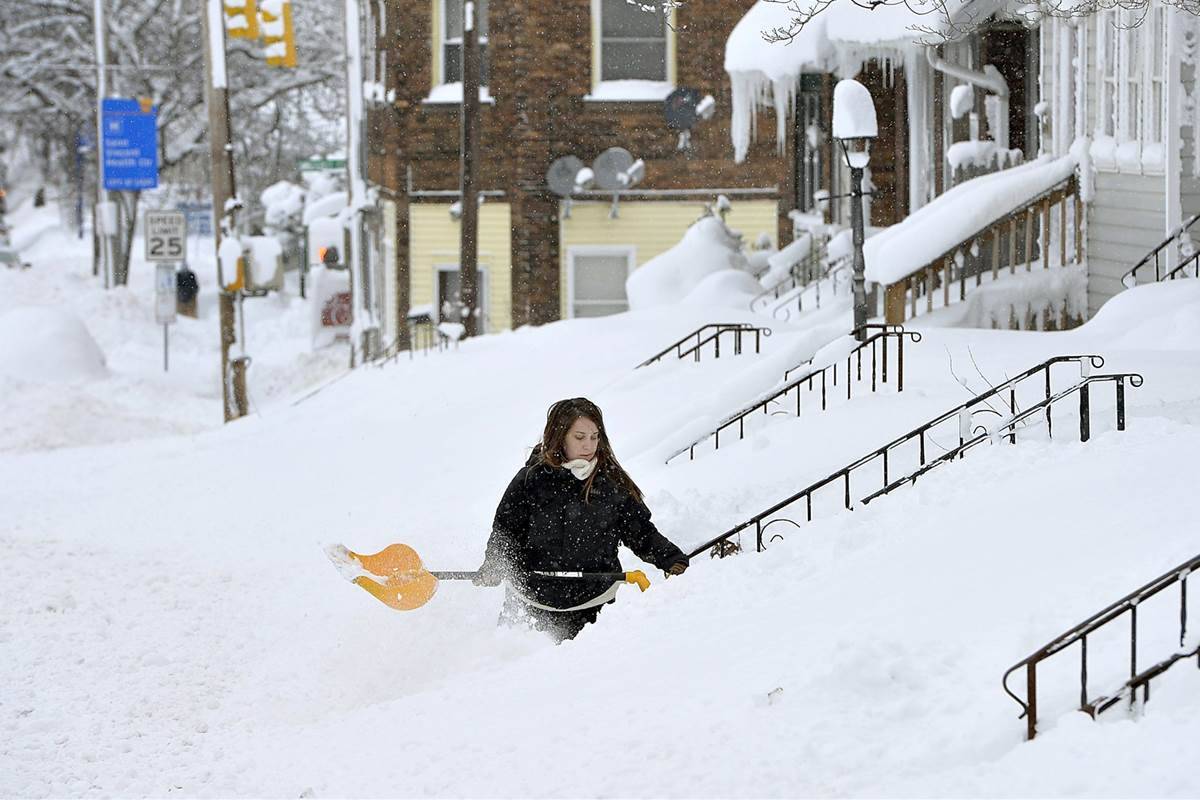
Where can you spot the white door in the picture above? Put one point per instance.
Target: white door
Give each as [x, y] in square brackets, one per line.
[597, 280]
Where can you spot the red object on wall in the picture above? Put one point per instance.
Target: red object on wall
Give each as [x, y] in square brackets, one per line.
[338, 311]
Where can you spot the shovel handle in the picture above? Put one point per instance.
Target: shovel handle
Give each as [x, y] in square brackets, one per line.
[637, 576]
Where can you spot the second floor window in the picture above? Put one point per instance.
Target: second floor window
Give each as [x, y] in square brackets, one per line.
[452, 40]
[633, 42]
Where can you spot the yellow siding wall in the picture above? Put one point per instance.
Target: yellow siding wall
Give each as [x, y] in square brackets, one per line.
[434, 239]
[651, 227]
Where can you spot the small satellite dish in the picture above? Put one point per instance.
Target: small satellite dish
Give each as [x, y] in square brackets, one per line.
[561, 175]
[609, 166]
[680, 109]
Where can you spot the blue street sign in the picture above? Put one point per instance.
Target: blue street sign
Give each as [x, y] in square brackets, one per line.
[130, 145]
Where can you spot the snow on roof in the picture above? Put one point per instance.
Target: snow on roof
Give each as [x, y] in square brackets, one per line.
[837, 39]
[958, 214]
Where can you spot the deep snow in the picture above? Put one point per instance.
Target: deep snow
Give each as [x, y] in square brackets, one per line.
[170, 624]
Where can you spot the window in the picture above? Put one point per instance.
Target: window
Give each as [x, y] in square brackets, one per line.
[633, 43]
[1131, 89]
[452, 40]
[1156, 72]
[596, 280]
[447, 298]
[1106, 53]
[1131, 58]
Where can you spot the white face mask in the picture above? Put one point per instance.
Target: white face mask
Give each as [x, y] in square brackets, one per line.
[580, 468]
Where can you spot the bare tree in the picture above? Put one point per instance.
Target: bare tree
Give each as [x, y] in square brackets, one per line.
[156, 50]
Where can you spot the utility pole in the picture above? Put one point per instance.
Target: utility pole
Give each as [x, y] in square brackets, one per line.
[364, 328]
[224, 201]
[105, 217]
[468, 269]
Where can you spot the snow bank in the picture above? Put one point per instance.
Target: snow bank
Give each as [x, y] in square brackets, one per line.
[729, 288]
[707, 247]
[44, 344]
[1033, 297]
[31, 224]
[957, 215]
[1158, 316]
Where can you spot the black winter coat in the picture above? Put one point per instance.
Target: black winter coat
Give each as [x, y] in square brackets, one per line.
[543, 524]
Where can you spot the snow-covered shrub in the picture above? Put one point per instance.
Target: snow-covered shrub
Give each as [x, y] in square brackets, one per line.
[708, 247]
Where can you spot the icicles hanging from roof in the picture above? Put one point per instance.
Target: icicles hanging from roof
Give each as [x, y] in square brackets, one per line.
[750, 91]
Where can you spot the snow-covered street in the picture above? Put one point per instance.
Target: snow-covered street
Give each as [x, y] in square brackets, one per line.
[171, 625]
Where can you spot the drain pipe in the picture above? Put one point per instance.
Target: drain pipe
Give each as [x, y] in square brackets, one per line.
[990, 80]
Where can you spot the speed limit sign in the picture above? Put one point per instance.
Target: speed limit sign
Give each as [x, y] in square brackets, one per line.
[166, 236]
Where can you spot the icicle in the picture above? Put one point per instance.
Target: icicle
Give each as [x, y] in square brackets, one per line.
[746, 89]
[784, 96]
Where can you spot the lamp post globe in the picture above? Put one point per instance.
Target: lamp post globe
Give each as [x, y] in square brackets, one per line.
[855, 127]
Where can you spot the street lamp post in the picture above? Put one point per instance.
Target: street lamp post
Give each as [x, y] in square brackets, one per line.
[855, 126]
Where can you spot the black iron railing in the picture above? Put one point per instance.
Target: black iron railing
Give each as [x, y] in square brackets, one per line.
[694, 343]
[874, 348]
[1156, 256]
[423, 336]
[1012, 419]
[1127, 605]
[837, 275]
[805, 271]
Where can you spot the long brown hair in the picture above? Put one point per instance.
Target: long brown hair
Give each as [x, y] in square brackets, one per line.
[551, 450]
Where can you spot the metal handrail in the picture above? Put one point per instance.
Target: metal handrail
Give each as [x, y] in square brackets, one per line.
[803, 276]
[806, 381]
[721, 328]
[1129, 279]
[836, 269]
[964, 410]
[1082, 388]
[1127, 604]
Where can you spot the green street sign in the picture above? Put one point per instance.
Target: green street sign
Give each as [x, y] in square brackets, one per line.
[316, 164]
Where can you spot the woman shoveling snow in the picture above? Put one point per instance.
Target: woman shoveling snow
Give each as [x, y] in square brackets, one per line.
[561, 520]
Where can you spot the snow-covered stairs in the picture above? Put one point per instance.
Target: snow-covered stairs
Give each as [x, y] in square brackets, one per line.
[1020, 406]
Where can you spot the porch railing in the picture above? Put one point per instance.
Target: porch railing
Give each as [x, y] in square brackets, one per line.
[694, 343]
[804, 272]
[1127, 605]
[836, 275]
[1155, 257]
[969, 436]
[1005, 241]
[875, 347]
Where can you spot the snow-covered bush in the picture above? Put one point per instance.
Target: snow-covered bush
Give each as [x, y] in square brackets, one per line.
[708, 247]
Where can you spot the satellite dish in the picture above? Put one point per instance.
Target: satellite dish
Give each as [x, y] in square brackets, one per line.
[609, 166]
[680, 109]
[561, 175]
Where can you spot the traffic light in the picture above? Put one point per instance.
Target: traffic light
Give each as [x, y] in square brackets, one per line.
[278, 33]
[241, 19]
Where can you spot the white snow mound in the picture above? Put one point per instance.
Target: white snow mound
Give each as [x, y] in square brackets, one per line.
[1158, 316]
[43, 344]
[707, 247]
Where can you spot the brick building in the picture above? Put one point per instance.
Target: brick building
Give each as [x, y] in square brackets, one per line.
[562, 77]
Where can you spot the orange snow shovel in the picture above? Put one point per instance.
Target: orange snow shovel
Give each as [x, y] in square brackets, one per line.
[396, 577]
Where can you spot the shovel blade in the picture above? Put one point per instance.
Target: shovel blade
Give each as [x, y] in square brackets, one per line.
[396, 576]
